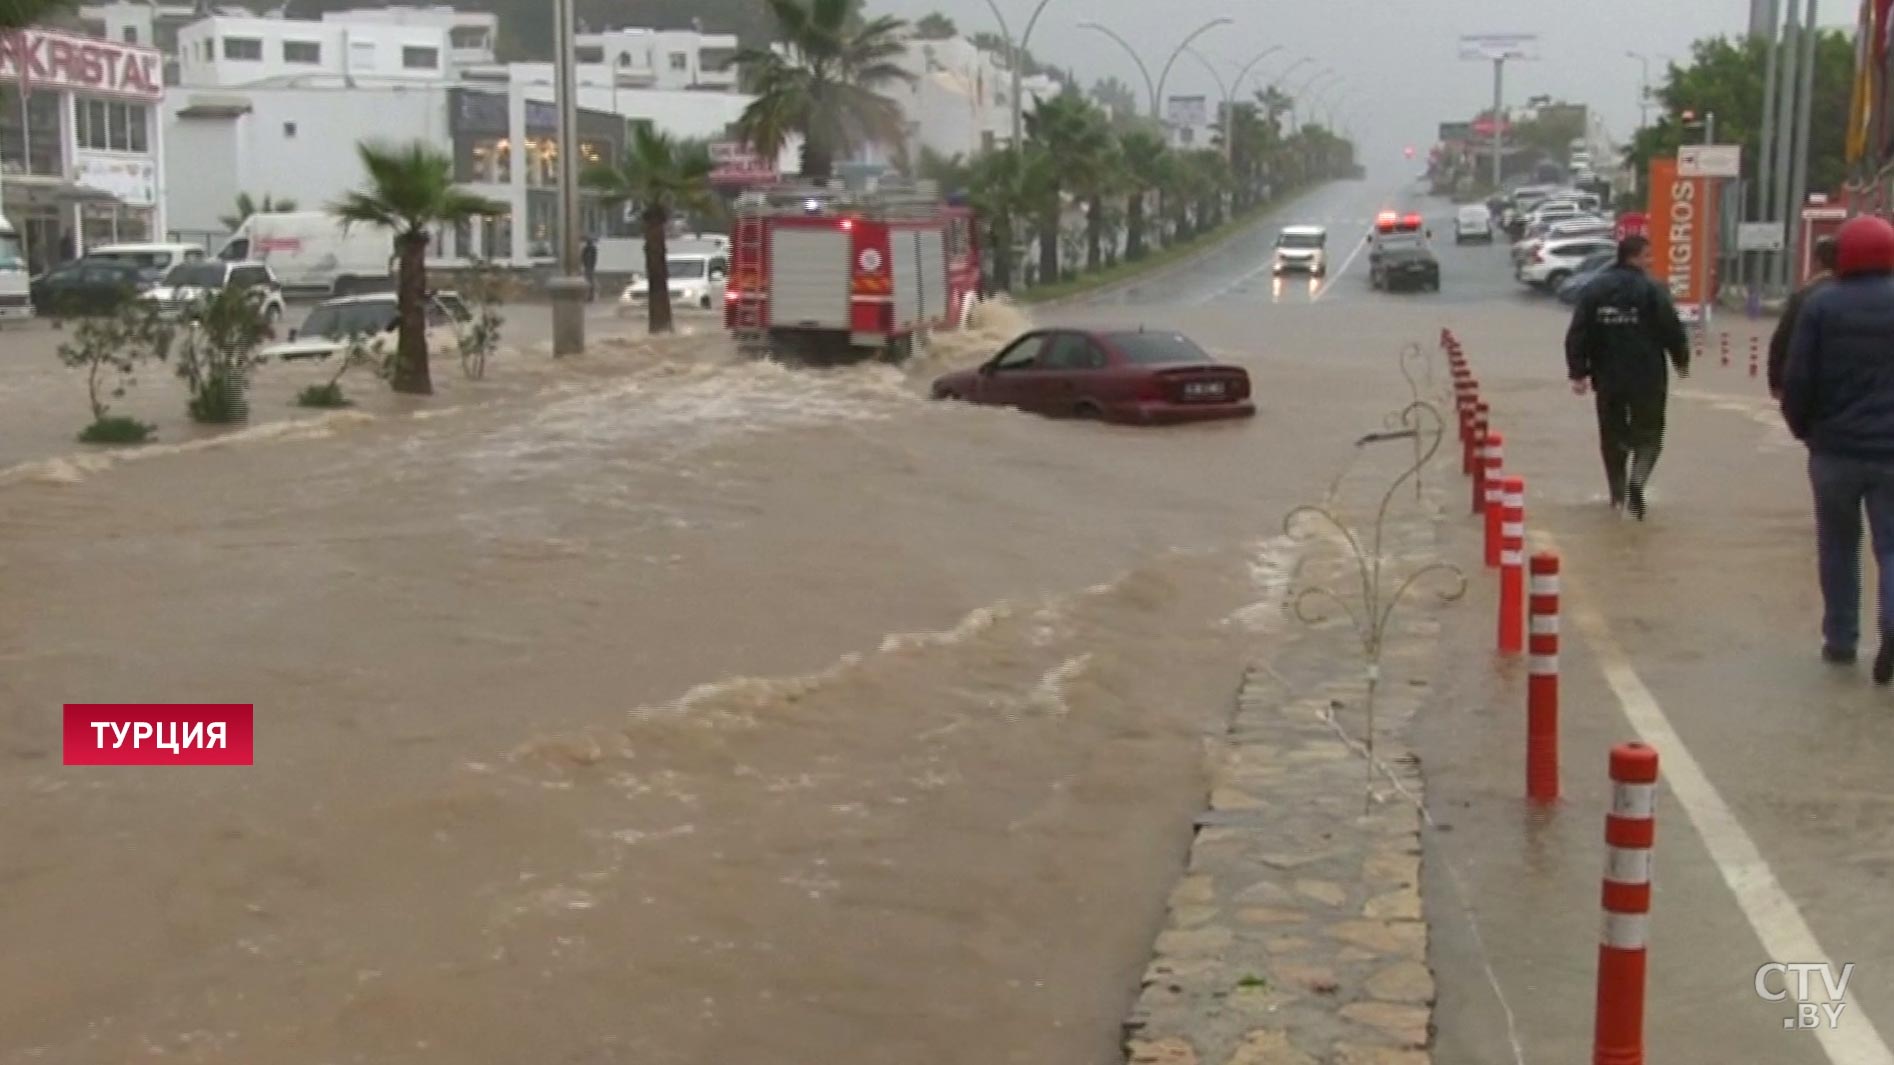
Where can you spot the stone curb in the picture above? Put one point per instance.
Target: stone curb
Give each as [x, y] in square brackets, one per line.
[1296, 936]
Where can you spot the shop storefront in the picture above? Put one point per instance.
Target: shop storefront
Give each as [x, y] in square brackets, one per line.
[506, 147]
[79, 162]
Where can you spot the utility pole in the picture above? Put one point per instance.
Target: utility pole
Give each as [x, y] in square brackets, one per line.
[568, 291]
[1799, 152]
[1785, 125]
[1499, 131]
[1756, 266]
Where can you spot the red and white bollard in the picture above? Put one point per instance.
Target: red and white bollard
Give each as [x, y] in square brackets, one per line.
[1542, 681]
[1482, 429]
[1489, 498]
[1755, 359]
[1512, 566]
[1463, 397]
[1630, 829]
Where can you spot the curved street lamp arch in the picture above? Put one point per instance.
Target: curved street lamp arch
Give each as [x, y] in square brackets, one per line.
[1150, 87]
[1186, 43]
[1015, 48]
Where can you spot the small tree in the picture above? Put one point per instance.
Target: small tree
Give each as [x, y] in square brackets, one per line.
[664, 177]
[109, 349]
[410, 191]
[221, 347]
[486, 289]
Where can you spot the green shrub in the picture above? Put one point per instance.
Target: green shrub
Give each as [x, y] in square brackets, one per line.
[325, 397]
[109, 348]
[116, 429]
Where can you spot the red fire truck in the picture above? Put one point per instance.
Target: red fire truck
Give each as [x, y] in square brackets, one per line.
[826, 274]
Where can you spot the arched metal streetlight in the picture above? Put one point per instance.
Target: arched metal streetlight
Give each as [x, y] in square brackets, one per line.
[1014, 49]
[1295, 98]
[1150, 87]
[1230, 89]
[1182, 45]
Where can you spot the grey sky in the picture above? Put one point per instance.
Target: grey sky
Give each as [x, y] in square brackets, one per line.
[1398, 56]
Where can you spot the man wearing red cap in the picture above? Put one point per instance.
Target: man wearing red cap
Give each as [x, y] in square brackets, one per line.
[1838, 398]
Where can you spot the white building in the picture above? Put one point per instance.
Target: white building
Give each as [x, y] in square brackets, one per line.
[663, 59]
[960, 101]
[148, 23]
[224, 51]
[86, 166]
[471, 35]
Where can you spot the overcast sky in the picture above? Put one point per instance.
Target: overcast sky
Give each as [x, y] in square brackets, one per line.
[1399, 57]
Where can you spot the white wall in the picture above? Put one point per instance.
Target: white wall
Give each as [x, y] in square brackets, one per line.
[656, 54]
[483, 25]
[208, 161]
[366, 52]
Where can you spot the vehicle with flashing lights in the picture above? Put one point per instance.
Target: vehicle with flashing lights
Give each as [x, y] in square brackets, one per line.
[828, 274]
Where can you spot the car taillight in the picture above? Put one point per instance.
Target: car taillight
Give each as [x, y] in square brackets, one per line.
[1151, 390]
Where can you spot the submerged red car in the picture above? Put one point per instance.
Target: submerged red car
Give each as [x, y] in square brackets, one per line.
[1133, 376]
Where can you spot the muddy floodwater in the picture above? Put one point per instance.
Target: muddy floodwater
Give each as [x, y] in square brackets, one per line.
[657, 706]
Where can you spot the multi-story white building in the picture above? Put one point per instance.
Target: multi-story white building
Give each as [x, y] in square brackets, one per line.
[960, 101]
[149, 23]
[228, 52]
[83, 154]
[663, 59]
[472, 36]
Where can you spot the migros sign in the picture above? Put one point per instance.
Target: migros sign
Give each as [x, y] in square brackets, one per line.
[47, 60]
[1682, 217]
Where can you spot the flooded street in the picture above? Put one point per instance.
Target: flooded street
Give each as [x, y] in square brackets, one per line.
[656, 706]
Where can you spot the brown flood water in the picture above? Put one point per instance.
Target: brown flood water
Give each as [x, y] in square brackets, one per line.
[656, 707]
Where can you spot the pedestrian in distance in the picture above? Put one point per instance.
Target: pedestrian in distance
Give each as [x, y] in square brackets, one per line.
[1838, 398]
[588, 261]
[1624, 326]
[1824, 252]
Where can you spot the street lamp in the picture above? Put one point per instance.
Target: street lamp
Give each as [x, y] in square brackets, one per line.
[568, 291]
[1644, 92]
[1229, 105]
[1014, 50]
[1185, 43]
[1295, 98]
[1149, 85]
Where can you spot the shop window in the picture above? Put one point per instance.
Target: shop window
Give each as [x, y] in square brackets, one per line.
[680, 61]
[421, 58]
[307, 52]
[109, 126]
[243, 48]
[289, 131]
[43, 123]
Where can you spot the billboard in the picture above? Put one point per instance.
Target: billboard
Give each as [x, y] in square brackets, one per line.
[49, 60]
[1491, 46]
[732, 163]
[1190, 112]
[1456, 132]
[1683, 231]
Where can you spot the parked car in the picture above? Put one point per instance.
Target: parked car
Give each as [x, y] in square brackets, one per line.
[373, 319]
[1301, 249]
[1410, 266]
[1140, 377]
[697, 280]
[1588, 271]
[1473, 223]
[187, 286]
[1569, 229]
[86, 286]
[1560, 259]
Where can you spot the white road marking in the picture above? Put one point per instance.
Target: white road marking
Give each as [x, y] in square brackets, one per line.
[1778, 924]
[1337, 275]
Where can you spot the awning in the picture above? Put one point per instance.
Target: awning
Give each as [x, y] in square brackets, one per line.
[41, 190]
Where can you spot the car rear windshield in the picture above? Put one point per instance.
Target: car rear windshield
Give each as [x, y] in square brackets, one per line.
[196, 275]
[339, 321]
[686, 269]
[1149, 349]
[148, 260]
[1300, 240]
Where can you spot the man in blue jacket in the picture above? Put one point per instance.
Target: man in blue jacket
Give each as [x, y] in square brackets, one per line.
[1838, 398]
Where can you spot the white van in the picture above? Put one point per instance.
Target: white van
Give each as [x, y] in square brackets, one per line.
[309, 252]
[152, 260]
[16, 285]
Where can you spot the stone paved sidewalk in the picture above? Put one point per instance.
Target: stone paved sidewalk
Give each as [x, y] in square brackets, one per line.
[1296, 936]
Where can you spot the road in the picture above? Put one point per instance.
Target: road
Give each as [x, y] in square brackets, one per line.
[659, 706]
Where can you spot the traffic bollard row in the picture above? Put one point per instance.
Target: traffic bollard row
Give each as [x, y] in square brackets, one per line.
[1542, 681]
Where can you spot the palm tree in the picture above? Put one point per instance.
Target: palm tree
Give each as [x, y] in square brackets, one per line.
[664, 177]
[1075, 133]
[410, 190]
[1006, 187]
[824, 83]
[17, 15]
[1147, 168]
[246, 206]
[1102, 176]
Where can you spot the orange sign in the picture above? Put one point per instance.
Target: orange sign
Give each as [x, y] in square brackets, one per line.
[1682, 227]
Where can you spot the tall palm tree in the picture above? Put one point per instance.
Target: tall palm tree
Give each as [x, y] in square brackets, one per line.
[1103, 176]
[410, 191]
[1076, 133]
[823, 83]
[664, 177]
[1147, 162]
[1006, 187]
[17, 15]
[247, 206]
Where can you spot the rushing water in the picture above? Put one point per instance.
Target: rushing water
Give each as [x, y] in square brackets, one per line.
[654, 706]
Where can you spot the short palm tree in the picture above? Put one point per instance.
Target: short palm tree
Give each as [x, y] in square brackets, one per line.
[1006, 187]
[824, 83]
[664, 177]
[1147, 162]
[247, 206]
[19, 14]
[410, 191]
[1075, 132]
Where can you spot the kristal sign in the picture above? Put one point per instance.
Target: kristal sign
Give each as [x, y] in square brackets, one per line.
[1811, 1011]
[160, 734]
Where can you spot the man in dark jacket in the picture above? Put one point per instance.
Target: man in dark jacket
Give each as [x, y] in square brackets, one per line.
[1838, 398]
[1785, 329]
[588, 262]
[1624, 326]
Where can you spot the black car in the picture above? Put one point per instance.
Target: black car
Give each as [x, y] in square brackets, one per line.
[86, 286]
[1409, 267]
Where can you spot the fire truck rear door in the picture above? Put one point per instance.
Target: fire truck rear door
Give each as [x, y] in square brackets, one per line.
[809, 277]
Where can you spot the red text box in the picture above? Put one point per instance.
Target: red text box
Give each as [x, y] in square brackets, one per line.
[160, 734]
